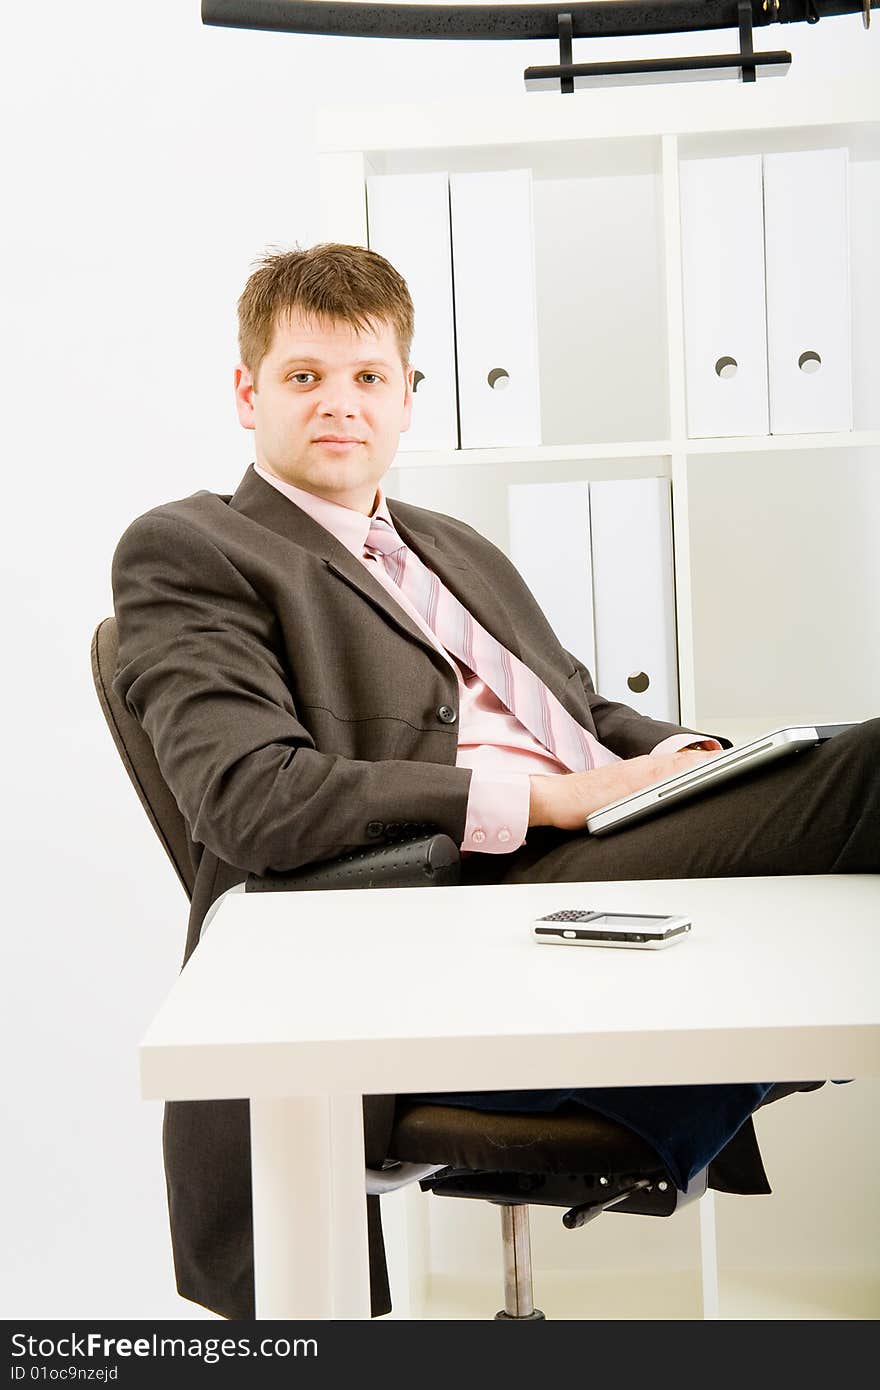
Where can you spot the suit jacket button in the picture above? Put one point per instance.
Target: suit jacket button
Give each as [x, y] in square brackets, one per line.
[447, 714]
[374, 828]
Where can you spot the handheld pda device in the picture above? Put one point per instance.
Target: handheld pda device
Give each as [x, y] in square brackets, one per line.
[641, 931]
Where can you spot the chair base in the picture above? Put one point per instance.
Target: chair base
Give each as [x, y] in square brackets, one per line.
[535, 1316]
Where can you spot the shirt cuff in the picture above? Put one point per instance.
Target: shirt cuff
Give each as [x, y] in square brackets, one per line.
[497, 812]
[676, 742]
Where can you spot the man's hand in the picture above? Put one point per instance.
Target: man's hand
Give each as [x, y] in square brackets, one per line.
[567, 800]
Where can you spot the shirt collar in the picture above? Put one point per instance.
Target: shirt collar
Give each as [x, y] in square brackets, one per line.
[350, 528]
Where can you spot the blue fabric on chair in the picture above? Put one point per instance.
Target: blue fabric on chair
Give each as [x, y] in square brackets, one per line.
[687, 1125]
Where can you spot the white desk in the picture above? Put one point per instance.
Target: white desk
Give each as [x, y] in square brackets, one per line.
[304, 1002]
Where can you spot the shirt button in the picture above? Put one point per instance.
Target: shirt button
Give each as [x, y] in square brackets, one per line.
[447, 714]
[478, 836]
[504, 835]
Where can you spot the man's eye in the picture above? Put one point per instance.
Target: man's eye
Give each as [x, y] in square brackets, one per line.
[370, 377]
[302, 378]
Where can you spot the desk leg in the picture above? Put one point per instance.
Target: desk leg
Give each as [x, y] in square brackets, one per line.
[310, 1222]
[708, 1255]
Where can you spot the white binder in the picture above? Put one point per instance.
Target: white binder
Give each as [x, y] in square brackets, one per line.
[808, 307]
[408, 218]
[864, 191]
[550, 546]
[634, 595]
[495, 317]
[722, 245]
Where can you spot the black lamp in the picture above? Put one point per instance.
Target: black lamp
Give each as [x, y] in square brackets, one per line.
[560, 22]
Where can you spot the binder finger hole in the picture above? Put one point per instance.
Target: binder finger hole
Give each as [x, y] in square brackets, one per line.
[498, 379]
[417, 377]
[638, 682]
[809, 361]
[726, 367]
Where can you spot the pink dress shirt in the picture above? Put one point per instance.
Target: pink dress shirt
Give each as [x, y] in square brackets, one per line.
[499, 750]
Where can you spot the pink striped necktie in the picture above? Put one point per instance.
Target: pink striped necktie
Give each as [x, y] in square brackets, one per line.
[517, 687]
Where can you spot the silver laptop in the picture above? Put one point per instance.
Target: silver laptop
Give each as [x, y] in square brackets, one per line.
[733, 762]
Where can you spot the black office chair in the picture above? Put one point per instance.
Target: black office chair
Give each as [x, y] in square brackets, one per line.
[574, 1158]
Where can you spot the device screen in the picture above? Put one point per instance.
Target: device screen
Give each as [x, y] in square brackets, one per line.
[610, 920]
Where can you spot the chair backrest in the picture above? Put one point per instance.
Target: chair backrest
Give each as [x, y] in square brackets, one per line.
[137, 754]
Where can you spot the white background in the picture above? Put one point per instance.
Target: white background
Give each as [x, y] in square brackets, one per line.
[147, 162]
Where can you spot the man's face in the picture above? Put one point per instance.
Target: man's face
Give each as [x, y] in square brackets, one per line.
[328, 407]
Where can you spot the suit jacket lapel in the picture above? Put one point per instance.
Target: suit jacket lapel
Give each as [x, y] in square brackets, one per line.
[264, 504]
[472, 588]
[258, 500]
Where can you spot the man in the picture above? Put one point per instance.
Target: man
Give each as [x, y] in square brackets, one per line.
[319, 669]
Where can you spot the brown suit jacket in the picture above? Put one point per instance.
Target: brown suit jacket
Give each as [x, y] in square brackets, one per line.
[294, 712]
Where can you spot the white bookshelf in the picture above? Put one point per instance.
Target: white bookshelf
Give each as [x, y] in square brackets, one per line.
[777, 565]
[777, 579]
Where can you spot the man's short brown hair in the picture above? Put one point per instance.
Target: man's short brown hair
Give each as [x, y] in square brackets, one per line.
[348, 284]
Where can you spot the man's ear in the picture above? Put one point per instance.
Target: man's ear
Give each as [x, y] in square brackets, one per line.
[408, 400]
[244, 391]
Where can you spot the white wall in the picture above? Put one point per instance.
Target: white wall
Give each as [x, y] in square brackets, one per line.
[147, 161]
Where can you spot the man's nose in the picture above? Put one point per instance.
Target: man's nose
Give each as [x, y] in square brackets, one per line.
[337, 399]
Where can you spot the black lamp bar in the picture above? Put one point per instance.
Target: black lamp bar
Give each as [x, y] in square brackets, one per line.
[604, 19]
[571, 77]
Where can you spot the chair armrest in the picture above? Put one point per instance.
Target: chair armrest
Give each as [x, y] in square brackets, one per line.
[427, 861]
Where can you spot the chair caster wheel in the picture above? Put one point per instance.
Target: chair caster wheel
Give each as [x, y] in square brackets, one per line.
[536, 1316]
